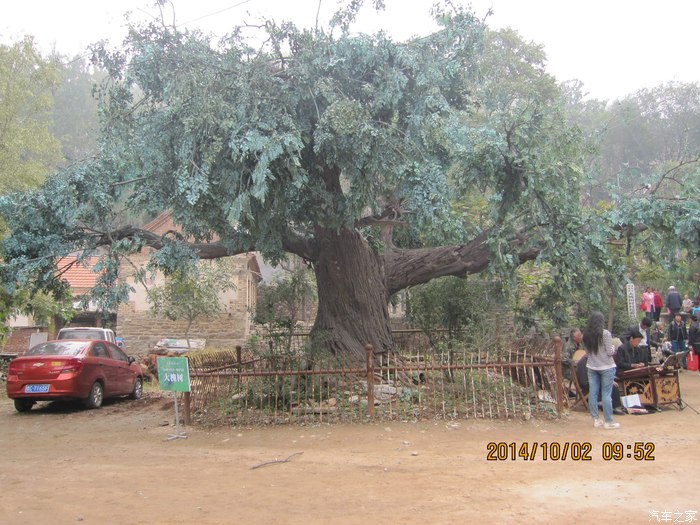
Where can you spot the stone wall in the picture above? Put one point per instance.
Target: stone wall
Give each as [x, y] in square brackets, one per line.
[142, 330]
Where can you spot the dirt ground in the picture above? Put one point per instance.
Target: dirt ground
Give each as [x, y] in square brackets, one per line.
[61, 464]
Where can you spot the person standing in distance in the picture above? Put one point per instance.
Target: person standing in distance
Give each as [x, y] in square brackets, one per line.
[678, 334]
[658, 305]
[694, 336]
[687, 304]
[674, 301]
[647, 305]
[601, 369]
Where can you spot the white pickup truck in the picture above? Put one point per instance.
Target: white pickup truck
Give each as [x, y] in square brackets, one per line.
[87, 332]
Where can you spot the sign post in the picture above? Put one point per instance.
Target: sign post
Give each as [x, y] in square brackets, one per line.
[631, 302]
[174, 376]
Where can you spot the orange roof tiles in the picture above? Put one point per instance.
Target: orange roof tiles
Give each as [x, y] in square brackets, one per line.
[79, 276]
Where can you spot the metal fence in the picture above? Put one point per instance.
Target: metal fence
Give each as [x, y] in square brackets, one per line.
[234, 387]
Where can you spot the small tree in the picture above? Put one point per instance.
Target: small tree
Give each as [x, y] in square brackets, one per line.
[449, 303]
[45, 308]
[192, 292]
[42, 306]
[281, 302]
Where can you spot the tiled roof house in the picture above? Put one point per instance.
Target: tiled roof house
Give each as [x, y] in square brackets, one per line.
[81, 278]
[135, 321]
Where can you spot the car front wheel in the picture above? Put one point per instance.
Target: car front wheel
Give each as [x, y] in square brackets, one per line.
[94, 400]
[137, 392]
[23, 405]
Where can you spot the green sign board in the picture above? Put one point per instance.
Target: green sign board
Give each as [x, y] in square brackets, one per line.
[174, 374]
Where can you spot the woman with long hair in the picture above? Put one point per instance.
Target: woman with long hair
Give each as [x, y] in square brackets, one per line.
[601, 369]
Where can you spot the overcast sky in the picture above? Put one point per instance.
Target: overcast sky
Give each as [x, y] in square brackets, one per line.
[614, 47]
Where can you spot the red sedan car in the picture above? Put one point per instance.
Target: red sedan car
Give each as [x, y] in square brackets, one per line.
[73, 369]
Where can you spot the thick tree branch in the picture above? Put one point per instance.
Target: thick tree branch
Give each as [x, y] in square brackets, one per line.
[411, 267]
[210, 250]
[307, 249]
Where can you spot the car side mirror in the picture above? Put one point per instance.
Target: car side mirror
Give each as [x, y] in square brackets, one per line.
[132, 359]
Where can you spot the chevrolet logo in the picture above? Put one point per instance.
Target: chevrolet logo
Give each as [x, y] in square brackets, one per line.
[37, 365]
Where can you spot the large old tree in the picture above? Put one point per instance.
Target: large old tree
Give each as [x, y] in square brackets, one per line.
[382, 164]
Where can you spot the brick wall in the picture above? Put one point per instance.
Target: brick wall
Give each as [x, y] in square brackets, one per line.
[18, 340]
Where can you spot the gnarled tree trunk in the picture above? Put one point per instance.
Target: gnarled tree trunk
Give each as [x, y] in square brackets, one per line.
[352, 295]
[355, 282]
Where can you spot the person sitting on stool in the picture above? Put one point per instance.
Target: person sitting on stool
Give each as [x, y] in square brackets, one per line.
[629, 355]
[647, 342]
[573, 344]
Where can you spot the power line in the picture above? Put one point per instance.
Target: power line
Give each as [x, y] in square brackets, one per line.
[216, 13]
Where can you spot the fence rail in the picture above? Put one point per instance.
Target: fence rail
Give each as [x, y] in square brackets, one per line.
[405, 340]
[235, 388]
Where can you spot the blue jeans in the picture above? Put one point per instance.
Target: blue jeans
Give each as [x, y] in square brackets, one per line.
[679, 346]
[601, 380]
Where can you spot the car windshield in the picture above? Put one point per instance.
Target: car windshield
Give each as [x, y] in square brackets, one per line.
[57, 348]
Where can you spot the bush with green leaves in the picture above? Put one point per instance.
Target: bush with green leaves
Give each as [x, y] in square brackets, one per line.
[453, 304]
[280, 304]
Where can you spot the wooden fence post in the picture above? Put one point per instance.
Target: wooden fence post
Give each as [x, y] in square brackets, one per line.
[238, 357]
[370, 379]
[559, 375]
[186, 417]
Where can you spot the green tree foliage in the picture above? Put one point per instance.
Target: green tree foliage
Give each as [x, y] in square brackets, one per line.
[44, 307]
[450, 303]
[28, 150]
[346, 150]
[642, 180]
[28, 153]
[651, 136]
[281, 301]
[648, 167]
[659, 201]
[192, 292]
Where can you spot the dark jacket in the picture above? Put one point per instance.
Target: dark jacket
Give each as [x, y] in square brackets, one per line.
[582, 373]
[627, 333]
[626, 356]
[674, 301]
[567, 356]
[677, 332]
[694, 335]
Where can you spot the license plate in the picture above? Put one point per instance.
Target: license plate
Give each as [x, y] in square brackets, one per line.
[36, 389]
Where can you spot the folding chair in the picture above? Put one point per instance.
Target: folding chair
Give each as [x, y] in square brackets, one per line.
[581, 396]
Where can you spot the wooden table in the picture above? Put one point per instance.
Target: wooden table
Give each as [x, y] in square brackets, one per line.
[656, 385]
